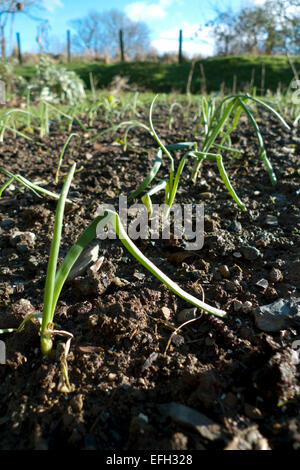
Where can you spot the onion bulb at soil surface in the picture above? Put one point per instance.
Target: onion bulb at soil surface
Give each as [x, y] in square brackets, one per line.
[46, 345]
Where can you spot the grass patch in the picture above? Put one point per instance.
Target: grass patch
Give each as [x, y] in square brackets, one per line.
[165, 78]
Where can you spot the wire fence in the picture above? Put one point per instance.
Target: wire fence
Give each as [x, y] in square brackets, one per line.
[122, 46]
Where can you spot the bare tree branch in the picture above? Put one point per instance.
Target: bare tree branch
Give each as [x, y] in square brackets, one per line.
[9, 8]
[98, 33]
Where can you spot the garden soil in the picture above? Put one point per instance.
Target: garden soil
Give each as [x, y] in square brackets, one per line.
[137, 381]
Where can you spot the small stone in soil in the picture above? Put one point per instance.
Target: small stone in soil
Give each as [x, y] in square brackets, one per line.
[248, 439]
[139, 276]
[271, 220]
[275, 275]
[143, 417]
[205, 195]
[112, 377]
[23, 241]
[186, 314]
[177, 340]
[153, 356]
[119, 282]
[92, 285]
[33, 262]
[95, 267]
[224, 270]
[192, 418]
[77, 403]
[262, 283]
[235, 226]
[166, 312]
[250, 252]
[279, 315]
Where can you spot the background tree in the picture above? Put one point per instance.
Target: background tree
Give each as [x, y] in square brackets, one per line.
[42, 37]
[98, 33]
[87, 33]
[8, 9]
[224, 30]
[271, 28]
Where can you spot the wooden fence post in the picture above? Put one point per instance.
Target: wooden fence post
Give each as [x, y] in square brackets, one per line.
[180, 47]
[262, 85]
[234, 84]
[19, 49]
[121, 45]
[69, 45]
[203, 81]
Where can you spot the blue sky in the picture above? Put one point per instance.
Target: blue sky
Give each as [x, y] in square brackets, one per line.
[163, 17]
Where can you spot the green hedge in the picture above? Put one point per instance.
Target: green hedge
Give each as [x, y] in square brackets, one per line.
[165, 78]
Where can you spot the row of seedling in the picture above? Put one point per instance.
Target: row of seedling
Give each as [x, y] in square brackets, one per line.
[218, 122]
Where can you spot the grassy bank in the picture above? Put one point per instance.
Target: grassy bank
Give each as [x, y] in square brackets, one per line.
[228, 73]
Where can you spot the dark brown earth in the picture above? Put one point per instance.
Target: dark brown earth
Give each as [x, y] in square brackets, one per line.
[239, 383]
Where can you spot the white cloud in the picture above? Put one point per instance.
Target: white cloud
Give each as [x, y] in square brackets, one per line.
[165, 3]
[51, 5]
[142, 11]
[194, 41]
[190, 49]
